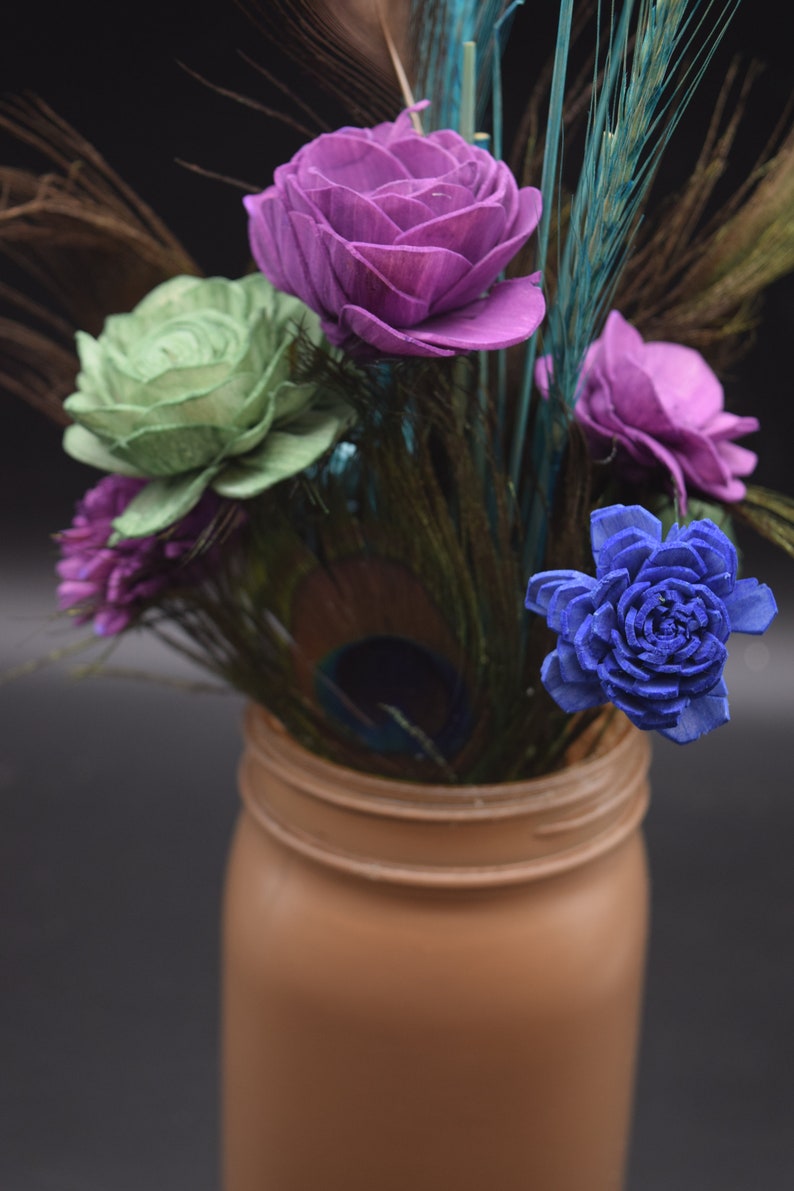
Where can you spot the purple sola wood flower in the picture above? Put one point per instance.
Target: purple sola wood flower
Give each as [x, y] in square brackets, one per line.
[392, 238]
[660, 407]
[110, 585]
[649, 632]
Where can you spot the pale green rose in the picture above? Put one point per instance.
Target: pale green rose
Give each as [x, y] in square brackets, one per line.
[193, 390]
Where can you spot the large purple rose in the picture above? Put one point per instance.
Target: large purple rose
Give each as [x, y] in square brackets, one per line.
[648, 633]
[393, 239]
[660, 406]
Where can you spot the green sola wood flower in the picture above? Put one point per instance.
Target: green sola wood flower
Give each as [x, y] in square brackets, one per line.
[194, 389]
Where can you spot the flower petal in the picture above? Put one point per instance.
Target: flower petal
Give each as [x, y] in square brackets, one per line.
[360, 163]
[284, 452]
[570, 696]
[84, 446]
[701, 716]
[751, 607]
[161, 503]
[486, 270]
[269, 233]
[359, 329]
[688, 389]
[355, 216]
[606, 523]
[544, 585]
[423, 156]
[310, 261]
[510, 314]
[469, 233]
[418, 271]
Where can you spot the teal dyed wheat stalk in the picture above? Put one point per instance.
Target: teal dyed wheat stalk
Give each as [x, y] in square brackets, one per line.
[632, 118]
[644, 87]
[548, 186]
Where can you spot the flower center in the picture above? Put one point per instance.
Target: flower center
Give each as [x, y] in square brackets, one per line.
[188, 343]
[669, 622]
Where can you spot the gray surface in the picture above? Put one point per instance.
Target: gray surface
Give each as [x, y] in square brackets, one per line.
[117, 803]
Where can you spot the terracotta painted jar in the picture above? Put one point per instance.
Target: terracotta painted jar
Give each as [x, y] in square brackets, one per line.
[432, 987]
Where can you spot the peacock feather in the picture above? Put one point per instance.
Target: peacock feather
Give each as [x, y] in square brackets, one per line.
[381, 616]
[81, 237]
[438, 33]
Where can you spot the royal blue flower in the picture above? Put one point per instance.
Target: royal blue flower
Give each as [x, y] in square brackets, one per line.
[649, 631]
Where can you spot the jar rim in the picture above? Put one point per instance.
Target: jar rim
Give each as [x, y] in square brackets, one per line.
[271, 741]
[471, 836]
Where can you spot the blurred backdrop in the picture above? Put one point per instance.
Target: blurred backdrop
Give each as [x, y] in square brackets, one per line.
[117, 797]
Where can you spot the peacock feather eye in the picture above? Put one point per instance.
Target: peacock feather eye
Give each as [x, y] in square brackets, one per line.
[396, 696]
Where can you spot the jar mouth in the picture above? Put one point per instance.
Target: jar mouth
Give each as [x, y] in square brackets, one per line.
[391, 797]
[476, 836]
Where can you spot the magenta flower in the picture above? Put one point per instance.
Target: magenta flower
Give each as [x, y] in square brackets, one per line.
[110, 585]
[393, 239]
[659, 405]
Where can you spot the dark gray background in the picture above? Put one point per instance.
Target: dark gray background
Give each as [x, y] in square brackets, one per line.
[118, 797]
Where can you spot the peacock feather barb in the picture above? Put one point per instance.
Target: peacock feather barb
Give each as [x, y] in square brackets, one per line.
[82, 239]
[438, 32]
[339, 47]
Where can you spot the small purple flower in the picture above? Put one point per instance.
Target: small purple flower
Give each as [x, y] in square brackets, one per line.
[649, 632]
[110, 585]
[393, 238]
[660, 406]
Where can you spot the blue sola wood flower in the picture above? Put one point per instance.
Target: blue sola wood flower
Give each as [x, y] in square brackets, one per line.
[649, 632]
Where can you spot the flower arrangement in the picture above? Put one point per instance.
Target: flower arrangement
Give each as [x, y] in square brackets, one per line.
[358, 483]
